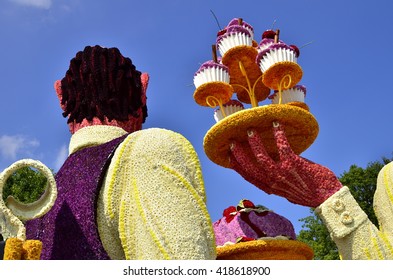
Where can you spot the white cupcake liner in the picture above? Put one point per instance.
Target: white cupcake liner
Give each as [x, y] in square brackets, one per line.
[229, 109]
[213, 74]
[289, 95]
[233, 40]
[276, 55]
[264, 46]
[249, 30]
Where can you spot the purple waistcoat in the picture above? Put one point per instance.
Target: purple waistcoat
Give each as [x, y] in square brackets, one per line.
[69, 230]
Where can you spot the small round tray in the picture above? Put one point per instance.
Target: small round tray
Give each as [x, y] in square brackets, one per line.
[301, 129]
[219, 90]
[246, 55]
[275, 74]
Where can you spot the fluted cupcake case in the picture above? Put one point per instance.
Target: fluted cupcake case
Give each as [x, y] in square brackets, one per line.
[293, 96]
[229, 108]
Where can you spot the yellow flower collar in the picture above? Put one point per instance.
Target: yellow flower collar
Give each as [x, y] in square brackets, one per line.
[94, 135]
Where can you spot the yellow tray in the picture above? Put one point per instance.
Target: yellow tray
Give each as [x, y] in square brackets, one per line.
[266, 250]
[301, 129]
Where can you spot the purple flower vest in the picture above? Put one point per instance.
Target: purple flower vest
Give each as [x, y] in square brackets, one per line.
[69, 230]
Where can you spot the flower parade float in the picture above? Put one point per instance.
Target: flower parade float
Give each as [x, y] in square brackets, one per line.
[130, 193]
[244, 137]
[263, 144]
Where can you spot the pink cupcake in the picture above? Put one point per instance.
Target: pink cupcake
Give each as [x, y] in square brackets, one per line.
[211, 71]
[278, 63]
[229, 108]
[239, 21]
[267, 40]
[233, 36]
[276, 53]
[295, 94]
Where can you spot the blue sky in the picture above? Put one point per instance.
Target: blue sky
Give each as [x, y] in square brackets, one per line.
[347, 71]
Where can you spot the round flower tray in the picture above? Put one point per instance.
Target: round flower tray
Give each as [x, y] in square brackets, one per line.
[301, 129]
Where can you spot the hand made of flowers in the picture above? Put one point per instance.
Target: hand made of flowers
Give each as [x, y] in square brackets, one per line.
[299, 180]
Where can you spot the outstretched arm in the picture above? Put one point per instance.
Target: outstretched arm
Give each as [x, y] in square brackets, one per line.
[306, 183]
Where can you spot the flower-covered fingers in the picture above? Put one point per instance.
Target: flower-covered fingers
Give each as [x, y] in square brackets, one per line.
[260, 182]
[247, 168]
[243, 158]
[257, 147]
[283, 147]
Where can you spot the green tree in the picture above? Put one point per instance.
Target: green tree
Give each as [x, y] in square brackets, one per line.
[362, 183]
[25, 185]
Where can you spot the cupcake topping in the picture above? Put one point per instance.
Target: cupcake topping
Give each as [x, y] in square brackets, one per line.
[266, 43]
[244, 206]
[274, 47]
[233, 29]
[297, 87]
[248, 221]
[234, 102]
[240, 22]
[301, 88]
[269, 34]
[211, 64]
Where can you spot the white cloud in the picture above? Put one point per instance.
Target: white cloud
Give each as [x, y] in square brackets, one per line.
[62, 155]
[12, 146]
[44, 4]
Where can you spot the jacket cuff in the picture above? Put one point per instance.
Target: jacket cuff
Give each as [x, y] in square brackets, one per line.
[341, 213]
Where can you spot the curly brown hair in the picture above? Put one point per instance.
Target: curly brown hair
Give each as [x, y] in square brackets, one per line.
[101, 82]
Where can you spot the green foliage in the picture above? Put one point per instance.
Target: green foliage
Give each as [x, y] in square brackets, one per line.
[362, 183]
[25, 185]
[316, 235]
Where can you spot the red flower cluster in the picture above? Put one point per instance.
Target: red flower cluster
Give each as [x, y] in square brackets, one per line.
[230, 212]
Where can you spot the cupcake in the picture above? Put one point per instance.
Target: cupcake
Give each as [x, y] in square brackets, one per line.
[233, 36]
[239, 21]
[264, 44]
[292, 96]
[211, 71]
[277, 61]
[254, 232]
[237, 47]
[229, 108]
[267, 40]
[295, 94]
[212, 84]
[276, 52]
